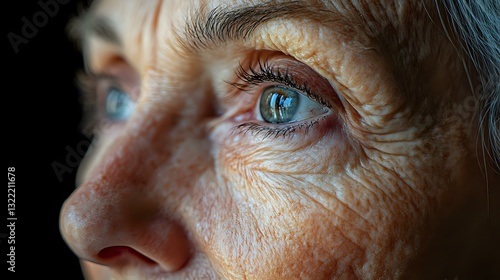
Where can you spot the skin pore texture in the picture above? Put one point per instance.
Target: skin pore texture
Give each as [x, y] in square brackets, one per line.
[385, 183]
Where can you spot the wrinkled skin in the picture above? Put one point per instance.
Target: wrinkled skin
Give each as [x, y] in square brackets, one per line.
[385, 185]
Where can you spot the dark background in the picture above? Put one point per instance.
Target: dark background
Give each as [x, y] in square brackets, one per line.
[41, 124]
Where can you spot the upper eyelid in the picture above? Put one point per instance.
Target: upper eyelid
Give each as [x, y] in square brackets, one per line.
[88, 80]
[88, 83]
[267, 72]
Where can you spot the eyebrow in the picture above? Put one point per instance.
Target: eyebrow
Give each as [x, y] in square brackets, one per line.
[221, 25]
[102, 28]
[224, 24]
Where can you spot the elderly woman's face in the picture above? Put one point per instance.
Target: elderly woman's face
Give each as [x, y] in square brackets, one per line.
[303, 140]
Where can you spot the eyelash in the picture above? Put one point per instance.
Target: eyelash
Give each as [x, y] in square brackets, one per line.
[252, 78]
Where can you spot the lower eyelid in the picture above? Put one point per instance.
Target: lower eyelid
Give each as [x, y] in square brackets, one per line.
[267, 130]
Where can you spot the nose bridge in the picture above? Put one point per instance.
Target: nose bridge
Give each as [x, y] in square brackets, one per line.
[114, 201]
[125, 201]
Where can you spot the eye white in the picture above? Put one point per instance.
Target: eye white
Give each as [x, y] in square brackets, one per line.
[280, 104]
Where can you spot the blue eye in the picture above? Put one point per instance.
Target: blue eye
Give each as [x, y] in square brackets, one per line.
[280, 105]
[118, 106]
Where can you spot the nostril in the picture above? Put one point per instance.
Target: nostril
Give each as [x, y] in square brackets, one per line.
[115, 252]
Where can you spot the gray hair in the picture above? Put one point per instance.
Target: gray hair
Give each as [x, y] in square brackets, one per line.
[477, 23]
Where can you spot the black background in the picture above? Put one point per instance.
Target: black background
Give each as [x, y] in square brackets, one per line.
[41, 123]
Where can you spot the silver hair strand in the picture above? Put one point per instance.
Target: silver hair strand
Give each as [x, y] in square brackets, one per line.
[477, 23]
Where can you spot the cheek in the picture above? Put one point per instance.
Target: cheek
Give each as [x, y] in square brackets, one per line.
[318, 206]
[276, 210]
[271, 228]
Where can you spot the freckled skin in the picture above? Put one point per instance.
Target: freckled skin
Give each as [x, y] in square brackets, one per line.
[364, 194]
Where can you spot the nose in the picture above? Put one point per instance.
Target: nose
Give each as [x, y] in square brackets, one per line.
[126, 212]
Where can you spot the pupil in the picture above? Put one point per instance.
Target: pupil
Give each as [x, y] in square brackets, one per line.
[278, 104]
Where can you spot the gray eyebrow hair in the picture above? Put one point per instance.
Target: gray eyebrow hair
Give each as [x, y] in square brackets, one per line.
[86, 23]
[223, 24]
[102, 28]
